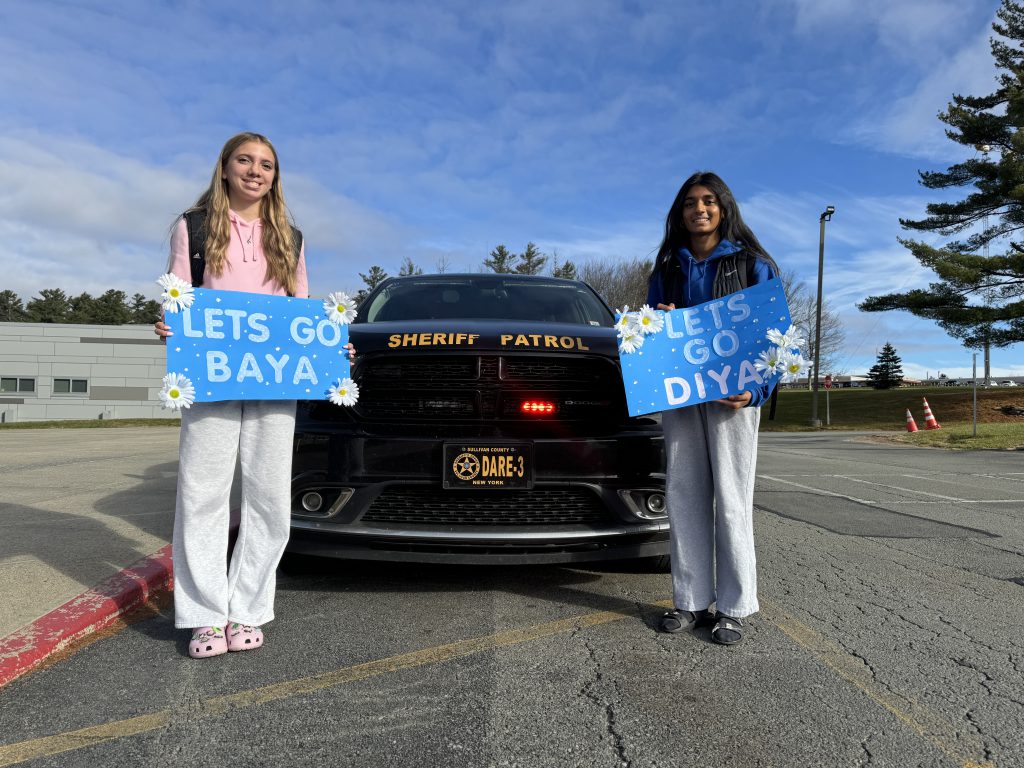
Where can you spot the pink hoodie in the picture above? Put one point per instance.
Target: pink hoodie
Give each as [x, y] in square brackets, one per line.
[245, 269]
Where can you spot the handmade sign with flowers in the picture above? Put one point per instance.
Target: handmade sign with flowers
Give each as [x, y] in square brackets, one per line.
[706, 352]
[229, 345]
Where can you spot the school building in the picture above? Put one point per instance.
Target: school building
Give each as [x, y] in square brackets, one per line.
[51, 371]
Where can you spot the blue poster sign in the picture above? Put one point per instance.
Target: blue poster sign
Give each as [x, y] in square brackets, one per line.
[249, 346]
[705, 352]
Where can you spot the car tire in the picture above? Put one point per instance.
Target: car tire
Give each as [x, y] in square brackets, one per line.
[657, 564]
[298, 565]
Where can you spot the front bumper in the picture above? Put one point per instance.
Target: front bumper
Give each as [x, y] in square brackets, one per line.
[382, 499]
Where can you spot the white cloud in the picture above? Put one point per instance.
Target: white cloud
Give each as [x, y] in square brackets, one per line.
[82, 218]
[910, 125]
[908, 28]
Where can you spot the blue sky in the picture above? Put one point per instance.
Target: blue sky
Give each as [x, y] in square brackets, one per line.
[438, 130]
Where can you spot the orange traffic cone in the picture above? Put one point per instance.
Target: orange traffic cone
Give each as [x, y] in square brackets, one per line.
[929, 420]
[911, 424]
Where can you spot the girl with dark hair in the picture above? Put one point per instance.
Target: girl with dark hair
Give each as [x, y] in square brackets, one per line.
[711, 448]
[250, 246]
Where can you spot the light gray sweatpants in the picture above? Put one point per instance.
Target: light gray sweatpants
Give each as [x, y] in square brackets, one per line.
[208, 591]
[711, 455]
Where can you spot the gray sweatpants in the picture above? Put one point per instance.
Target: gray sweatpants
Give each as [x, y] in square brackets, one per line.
[208, 591]
[711, 456]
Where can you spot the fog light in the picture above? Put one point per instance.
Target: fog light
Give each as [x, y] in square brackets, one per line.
[656, 503]
[311, 502]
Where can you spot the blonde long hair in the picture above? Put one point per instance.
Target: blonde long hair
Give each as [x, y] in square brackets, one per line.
[278, 240]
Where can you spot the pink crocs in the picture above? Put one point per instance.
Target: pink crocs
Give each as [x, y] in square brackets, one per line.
[206, 642]
[243, 637]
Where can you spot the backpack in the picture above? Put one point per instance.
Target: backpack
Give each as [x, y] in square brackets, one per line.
[195, 223]
[734, 273]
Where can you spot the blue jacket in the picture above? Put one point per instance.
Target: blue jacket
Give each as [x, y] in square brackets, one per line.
[698, 287]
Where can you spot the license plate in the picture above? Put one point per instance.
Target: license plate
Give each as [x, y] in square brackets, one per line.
[469, 465]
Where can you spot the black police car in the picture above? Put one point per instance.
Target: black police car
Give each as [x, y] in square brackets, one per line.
[491, 427]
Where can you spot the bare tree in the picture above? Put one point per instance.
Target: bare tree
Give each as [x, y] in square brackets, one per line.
[619, 282]
[802, 310]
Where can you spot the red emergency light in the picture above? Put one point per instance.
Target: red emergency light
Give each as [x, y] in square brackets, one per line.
[537, 407]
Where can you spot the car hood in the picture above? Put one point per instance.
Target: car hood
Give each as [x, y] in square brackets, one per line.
[504, 336]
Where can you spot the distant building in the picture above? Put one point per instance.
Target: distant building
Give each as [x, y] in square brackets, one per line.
[838, 382]
[51, 371]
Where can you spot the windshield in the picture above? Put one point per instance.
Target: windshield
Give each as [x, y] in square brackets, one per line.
[487, 297]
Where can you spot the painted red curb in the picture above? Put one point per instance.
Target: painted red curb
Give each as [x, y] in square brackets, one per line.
[91, 611]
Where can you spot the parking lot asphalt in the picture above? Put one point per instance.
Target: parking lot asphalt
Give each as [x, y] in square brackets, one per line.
[892, 593]
[85, 520]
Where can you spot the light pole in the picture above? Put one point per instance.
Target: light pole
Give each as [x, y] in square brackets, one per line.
[825, 216]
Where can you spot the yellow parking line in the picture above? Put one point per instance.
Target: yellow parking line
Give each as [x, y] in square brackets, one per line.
[921, 720]
[11, 754]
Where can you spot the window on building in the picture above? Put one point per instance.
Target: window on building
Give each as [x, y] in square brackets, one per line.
[16, 384]
[70, 386]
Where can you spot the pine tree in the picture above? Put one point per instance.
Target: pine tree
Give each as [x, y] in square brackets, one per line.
[531, 261]
[143, 311]
[51, 306]
[372, 279]
[887, 372]
[978, 298]
[112, 308]
[82, 310]
[566, 269]
[502, 260]
[11, 308]
[409, 268]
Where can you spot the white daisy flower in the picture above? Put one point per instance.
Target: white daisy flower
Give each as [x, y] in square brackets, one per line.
[630, 341]
[177, 294]
[650, 320]
[178, 392]
[345, 392]
[627, 322]
[791, 339]
[769, 360]
[340, 308]
[793, 365]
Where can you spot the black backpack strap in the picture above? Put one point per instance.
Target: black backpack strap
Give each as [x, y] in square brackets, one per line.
[735, 272]
[297, 237]
[195, 223]
[730, 275]
[672, 282]
[773, 403]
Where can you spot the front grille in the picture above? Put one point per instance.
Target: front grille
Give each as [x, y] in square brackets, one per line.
[436, 506]
[486, 387]
[382, 403]
[531, 369]
[423, 369]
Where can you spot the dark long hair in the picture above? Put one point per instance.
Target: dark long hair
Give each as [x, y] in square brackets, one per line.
[731, 228]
